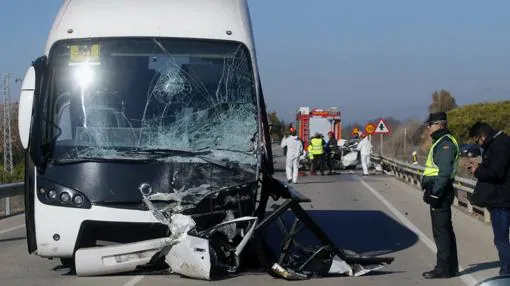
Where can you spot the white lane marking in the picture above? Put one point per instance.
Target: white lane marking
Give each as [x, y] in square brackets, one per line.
[134, 280]
[466, 278]
[12, 228]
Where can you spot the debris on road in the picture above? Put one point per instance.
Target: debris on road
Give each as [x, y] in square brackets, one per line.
[215, 252]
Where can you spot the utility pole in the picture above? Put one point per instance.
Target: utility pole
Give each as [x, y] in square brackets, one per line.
[8, 162]
[405, 143]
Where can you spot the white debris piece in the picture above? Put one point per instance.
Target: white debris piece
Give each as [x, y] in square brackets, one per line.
[191, 258]
[180, 225]
[338, 266]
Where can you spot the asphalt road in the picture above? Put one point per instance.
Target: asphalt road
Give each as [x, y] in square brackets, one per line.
[375, 215]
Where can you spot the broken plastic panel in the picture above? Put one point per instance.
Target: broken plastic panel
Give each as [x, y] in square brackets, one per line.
[209, 256]
[115, 259]
[206, 254]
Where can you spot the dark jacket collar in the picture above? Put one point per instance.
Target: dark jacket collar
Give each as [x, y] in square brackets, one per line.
[439, 133]
[489, 139]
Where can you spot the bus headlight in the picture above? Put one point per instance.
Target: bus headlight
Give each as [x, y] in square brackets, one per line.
[78, 200]
[65, 197]
[52, 194]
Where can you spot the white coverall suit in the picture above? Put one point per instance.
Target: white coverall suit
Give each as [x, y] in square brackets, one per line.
[294, 151]
[365, 148]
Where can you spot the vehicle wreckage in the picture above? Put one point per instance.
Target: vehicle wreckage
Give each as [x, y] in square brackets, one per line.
[214, 252]
[147, 147]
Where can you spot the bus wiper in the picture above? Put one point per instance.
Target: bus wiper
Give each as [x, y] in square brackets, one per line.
[99, 159]
[226, 164]
[170, 151]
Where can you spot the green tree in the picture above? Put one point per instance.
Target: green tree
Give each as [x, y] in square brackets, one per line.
[442, 101]
[495, 113]
[278, 127]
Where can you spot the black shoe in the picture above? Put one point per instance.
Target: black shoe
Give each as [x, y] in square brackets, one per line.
[436, 273]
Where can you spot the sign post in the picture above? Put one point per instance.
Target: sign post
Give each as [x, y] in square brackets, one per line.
[381, 128]
[370, 129]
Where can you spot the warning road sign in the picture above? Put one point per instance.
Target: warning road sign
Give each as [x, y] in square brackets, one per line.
[369, 128]
[381, 128]
[355, 131]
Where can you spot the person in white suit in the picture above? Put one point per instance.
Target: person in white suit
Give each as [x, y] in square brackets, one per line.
[365, 148]
[294, 152]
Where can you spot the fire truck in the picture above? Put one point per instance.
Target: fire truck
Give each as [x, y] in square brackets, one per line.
[309, 121]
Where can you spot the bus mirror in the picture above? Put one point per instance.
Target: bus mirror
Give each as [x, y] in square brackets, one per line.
[26, 102]
[32, 116]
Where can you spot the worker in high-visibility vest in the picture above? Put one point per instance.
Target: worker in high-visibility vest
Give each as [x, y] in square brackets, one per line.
[438, 177]
[317, 150]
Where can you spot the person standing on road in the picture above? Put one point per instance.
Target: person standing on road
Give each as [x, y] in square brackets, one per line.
[440, 170]
[294, 151]
[332, 147]
[492, 188]
[317, 150]
[365, 149]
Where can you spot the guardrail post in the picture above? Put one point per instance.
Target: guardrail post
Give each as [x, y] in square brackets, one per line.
[456, 200]
[469, 207]
[486, 215]
[7, 206]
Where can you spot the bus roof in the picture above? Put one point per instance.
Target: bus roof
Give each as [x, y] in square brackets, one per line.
[200, 19]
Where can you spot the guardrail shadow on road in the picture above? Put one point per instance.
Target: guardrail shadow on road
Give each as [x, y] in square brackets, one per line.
[12, 239]
[479, 267]
[371, 233]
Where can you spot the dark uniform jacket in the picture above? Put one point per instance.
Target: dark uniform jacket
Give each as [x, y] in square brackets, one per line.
[332, 145]
[444, 155]
[493, 186]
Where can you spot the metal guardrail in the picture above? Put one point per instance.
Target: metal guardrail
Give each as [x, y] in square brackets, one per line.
[412, 174]
[10, 190]
[404, 171]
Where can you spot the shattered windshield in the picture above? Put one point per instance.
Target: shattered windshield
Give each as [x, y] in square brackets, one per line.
[110, 98]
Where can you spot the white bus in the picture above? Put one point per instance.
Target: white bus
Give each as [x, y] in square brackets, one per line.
[131, 99]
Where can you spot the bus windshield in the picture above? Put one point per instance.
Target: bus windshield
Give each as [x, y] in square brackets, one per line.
[109, 97]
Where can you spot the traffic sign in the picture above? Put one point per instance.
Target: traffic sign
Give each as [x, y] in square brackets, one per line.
[381, 128]
[355, 131]
[369, 128]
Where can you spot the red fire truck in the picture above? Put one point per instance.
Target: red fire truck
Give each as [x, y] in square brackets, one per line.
[309, 121]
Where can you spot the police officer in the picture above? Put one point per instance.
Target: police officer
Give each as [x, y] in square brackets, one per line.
[438, 177]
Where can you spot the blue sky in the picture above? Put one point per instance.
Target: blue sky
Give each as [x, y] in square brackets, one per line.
[368, 58]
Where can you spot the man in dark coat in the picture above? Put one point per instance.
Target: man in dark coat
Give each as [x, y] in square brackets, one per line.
[492, 189]
[438, 177]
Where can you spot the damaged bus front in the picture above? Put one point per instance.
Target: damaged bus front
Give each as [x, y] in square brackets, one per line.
[135, 102]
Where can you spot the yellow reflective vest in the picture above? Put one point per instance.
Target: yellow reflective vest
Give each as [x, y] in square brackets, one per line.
[317, 148]
[431, 169]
